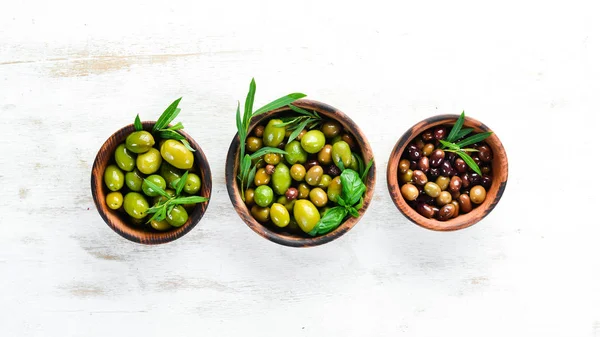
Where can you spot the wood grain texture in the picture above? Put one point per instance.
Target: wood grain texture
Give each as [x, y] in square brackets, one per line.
[528, 69]
[285, 238]
[494, 193]
[117, 220]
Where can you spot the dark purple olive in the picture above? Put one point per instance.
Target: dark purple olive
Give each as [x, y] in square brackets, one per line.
[419, 177]
[424, 198]
[413, 165]
[455, 194]
[419, 143]
[451, 157]
[311, 163]
[465, 203]
[474, 179]
[436, 211]
[436, 158]
[425, 210]
[465, 180]
[485, 153]
[333, 171]
[460, 165]
[486, 181]
[446, 212]
[434, 172]
[423, 164]
[439, 133]
[413, 152]
[447, 169]
[427, 135]
[486, 169]
[477, 160]
[455, 184]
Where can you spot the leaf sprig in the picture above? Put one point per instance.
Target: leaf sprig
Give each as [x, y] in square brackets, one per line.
[457, 132]
[306, 119]
[164, 207]
[247, 169]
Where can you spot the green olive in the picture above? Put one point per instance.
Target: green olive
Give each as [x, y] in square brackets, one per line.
[261, 214]
[139, 141]
[135, 205]
[432, 189]
[261, 177]
[263, 195]
[279, 215]
[192, 184]
[340, 151]
[178, 216]
[160, 198]
[477, 194]
[323, 210]
[303, 191]
[253, 144]
[281, 179]
[318, 197]
[295, 153]
[289, 204]
[336, 139]
[442, 182]
[354, 163]
[249, 196]
[325, 181]
[170, 173]
[113, 178]
[404, 166]
[162, 225]
[409, 192]
[124, 158]
[114, 200]
[331, 129]
[273, 135]
[137, 222]
[444, 198]
[272, 158]
[156, 180]
[149, 162]
[324, 156]
[314, 175]
[176, 154]
[306, 215]
[298, 171]
[134, 180]
[334, 189]
[407, 176]
[313, 141]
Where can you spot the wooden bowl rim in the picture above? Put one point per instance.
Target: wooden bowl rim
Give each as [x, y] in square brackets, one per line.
[262, 230]
[499, 178]
[115, 222]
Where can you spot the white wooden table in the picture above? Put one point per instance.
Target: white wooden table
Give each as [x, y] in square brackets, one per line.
[72, 72]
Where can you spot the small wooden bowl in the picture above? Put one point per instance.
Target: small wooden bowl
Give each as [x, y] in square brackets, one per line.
[284, 238]
[499, 175]
[118, 222]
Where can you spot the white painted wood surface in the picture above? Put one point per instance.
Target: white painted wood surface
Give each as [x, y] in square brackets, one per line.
[72, 72]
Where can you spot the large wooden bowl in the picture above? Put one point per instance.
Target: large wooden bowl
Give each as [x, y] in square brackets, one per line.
[117, 220]
[284, 238]
[499, 175]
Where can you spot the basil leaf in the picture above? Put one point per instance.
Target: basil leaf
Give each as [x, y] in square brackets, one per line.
[352, 211]
[463, 133]
[137, 124]
[249, 104]
[266, 150]
[297, 131]
[449, 145]
[341, 202]
[278, 103]
[360, 204]
[168, 116]
[456, 128]
[472, 164]
[352, 187]
[157, 189]
[188, 200]
[330, 221]
[474, 139]
[181, 183]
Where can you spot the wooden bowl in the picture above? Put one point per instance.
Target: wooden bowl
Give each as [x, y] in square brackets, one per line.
[499, 175]
[117, 220]
[284, 238]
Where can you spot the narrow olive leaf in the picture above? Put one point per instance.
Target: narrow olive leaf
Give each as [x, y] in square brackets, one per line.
[181, 183]
[251, 175]
[449, 145]
[188, 200]
[456, 128]
[278, 103]
[469, 150]
[249, 103]
[155, 209]
[297, 131]
[367, 169]
[157, 189]
[170, 207]
[463, 133]
[361, 164]
[176, 127]
[155, 216]
[472, 164]
[339, 164]
[137, 124]
[266, 150]
[170, 134]
[187, 145]
[170, 113]
[287, 121]
[302, 111]
[474, 139]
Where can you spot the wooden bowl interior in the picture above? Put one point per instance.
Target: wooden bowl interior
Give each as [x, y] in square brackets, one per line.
[282, 237]
[117, 220]
[499, 175]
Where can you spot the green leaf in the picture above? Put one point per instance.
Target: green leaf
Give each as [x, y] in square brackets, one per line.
[330, 221]
[249, 104]
[472, 164]
[278, 103]
[360, 204]
[157, 189]
[302, 111]
[469, 150]
[170, 134]
[157, 214]
[352, 187]
[367, 169]
[266, 150]
[360, 162]
[449, 145]
[251, 175]
[137, 124]
[456, 128]
[169, 115]
[187, 145]
[188, 200]
[339, 164]
[352, 211]
[287, 121]
[176, 127]
[242, 132]
[170, 207]
[297, 131]
[463, 133]
[341, 202]
[181, 183]
[474, 139]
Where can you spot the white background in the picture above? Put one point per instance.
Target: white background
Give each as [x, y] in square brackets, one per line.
[73, 72]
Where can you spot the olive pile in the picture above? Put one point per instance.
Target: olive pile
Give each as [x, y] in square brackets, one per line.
[138, 160]
[439, 184]
[294, 190]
